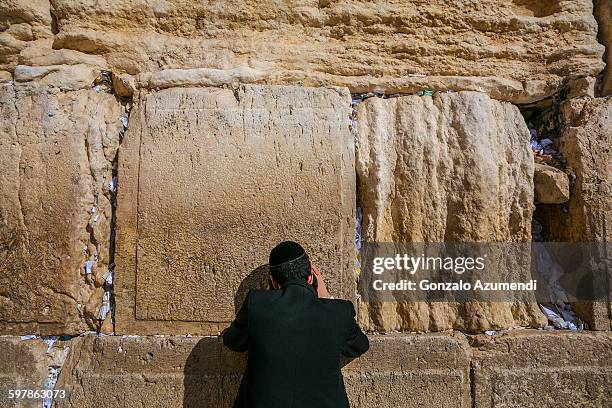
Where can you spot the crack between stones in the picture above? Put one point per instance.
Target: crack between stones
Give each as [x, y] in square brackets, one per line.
[472, 385]
[109, 283]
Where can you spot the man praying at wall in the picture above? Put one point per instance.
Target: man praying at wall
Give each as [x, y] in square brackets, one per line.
[295, 336]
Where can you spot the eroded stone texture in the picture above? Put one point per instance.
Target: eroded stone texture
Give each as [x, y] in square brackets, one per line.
[551, 185]
[453, 168]
[587, 217]
[27, 33]
[65, 77]
[585, 144]
[56, 154]
[211, 180]
[411, 371]
[25, 365]
[516, 50]
[603, 14]
[542, 369]
[402, 370]
[151, 371]
[23, 24]
[523, 368]
[581, 87]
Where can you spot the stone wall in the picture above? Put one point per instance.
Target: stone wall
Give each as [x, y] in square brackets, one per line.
[151, 154]
[56, 156]
[515, 50]
[453, 168]
[603, 14]
[201, 372]
[587, 216]
[27, 364]
[210, 181]
[523, 368]
[536, 369]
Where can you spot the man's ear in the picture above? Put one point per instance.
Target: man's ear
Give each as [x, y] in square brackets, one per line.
[310, 278]
[275, 284]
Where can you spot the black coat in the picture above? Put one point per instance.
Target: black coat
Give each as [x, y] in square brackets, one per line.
[295, 341]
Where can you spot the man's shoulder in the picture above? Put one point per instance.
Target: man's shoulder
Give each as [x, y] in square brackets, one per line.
[266, 295]
[256, 295]
[338, 304]
[331, 301]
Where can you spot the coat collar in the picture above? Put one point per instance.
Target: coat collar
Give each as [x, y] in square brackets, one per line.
[301, 283]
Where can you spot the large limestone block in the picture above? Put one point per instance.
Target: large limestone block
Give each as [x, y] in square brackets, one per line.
[587, 148]
[56, 160]
[411, 371]
[151, 371]
[28, 365]
[456, 167]
[587, 217]
[510, 48]
[542, 369]
[210, 181]
[401, 370]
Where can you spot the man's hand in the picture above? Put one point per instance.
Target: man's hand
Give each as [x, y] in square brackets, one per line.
[321, 288]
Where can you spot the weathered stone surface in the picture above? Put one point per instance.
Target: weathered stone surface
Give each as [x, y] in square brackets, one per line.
[23, 24]
[581, 87]
[541, 369]
[64, 77]
[56, 154]
[523, 368]
[210, 181]
[25, 365]
[587, 217]
[453, 168]
[151, 371]
[411, 371]
[585, 144]
[46, 56]
[400, 370]
[510, 47]
[124, 85]
[603, 14]
[551, 185]
[169, 78]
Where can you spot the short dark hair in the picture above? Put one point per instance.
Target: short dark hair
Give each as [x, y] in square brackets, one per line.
[289, 261]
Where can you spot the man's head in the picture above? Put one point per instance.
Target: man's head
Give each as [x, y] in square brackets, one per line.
[289, 261]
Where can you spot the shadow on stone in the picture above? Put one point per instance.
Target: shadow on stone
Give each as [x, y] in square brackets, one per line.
[212, 375]
[212, 372]
[257, 279]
